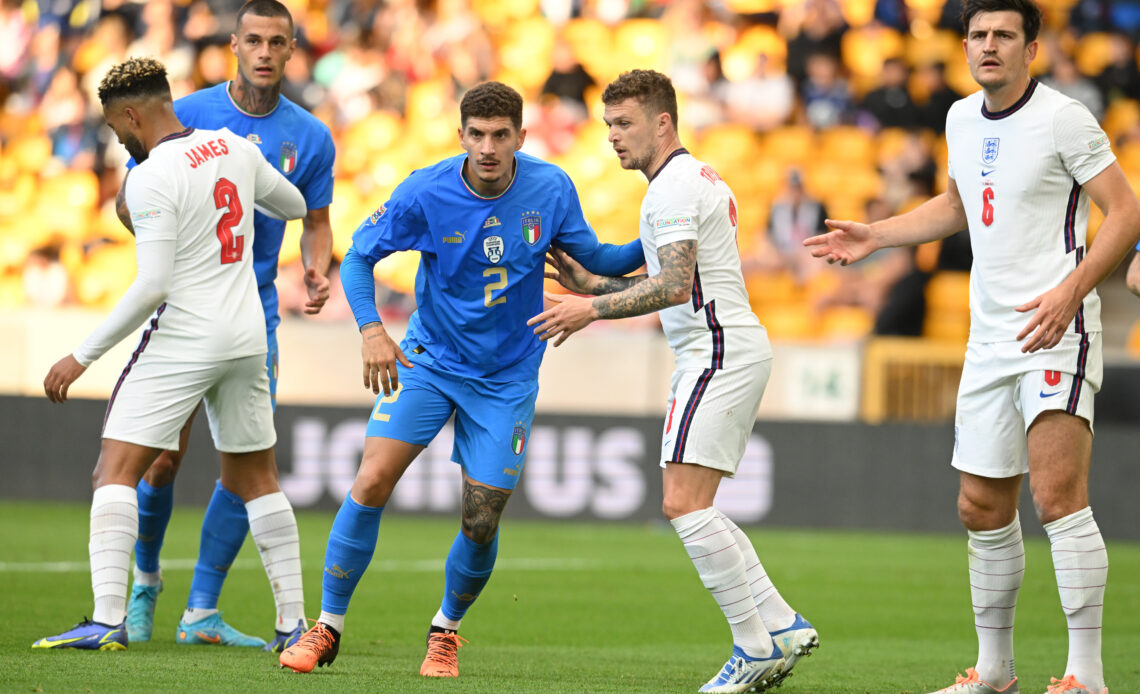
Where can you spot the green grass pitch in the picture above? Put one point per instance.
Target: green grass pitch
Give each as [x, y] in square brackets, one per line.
[571, 608]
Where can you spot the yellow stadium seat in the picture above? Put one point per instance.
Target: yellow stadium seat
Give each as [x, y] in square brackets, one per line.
[30, 153]
[846, 323]
[858, 12]
[789, 145]
[1121, 116]
[525, 52]
[1133, 343]
[724, 144]
[739, 60]
[772, 289]
[644, 43]
[927, 10]
[942, 45]
[847, 144]
[592, 44]
[1093, 53]
[106, 274]
[948, 306]
[864, 50]
[11, 291]
[787, 322]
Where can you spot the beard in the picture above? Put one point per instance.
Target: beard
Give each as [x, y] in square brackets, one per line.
[135, 148]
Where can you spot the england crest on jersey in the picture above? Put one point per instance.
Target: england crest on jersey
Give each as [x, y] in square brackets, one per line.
[531, 227]
[288, 157]
[989, 150]
[493, 248]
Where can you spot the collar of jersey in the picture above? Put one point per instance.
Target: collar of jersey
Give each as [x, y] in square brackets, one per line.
[673, 155]
[247, 113]
[1006, 112]
[463, 165]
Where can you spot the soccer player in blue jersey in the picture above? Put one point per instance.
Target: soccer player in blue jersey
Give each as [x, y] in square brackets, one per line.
[483, 222]
[301, 147]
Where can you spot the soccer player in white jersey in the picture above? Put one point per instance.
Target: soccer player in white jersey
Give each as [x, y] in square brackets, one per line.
[688, 234]
[191, 201]
[1023, 162]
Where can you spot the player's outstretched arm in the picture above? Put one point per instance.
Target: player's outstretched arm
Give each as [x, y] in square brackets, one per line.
[850, 242]
[1132, 279]
[1120, 230]
[636, 297]
[316, 254]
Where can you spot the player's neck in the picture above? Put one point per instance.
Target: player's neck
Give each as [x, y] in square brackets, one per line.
[1004, 97]
[661, 155]
[254, 101]
[161, 129]
[487, 190]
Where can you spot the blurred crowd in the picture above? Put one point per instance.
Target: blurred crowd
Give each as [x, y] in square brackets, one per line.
[808, 109]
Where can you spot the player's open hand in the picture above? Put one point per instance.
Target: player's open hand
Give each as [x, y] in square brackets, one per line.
[568, 315]
[317, 285]
[569, 272]
[846, 243]
[380, 353]
[60, 378]
[1052, 313]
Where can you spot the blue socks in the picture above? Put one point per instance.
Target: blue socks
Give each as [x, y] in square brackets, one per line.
[223, 531]
[352, 541]
[467, 570]
[154, 513]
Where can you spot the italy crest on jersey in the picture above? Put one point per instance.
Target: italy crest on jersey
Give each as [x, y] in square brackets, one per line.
[531, 227]
[288, 157]
[990, 150]
[493, 248]
[518, 439]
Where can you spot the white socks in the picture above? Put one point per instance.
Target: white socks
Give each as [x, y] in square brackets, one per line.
[1081, 564]
[775, 612]
[147, 578]
[274, 530]
[197, 614]
[997, 566]
[336, 621]
[114, 528]
[443, 622]
[720, 564]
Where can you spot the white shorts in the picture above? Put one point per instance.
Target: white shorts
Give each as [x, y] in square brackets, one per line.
[1003, 391]
[154, 397]
[710, 415]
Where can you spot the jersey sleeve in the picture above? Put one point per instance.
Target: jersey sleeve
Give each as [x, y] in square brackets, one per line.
[575, 236]
[154, 215]
[1081, 143]
[674, 215]
[397, 225]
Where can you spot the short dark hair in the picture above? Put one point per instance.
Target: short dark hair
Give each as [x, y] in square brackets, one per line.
[491, 100]
[653, 90]
[1029, 11]
[135, 78]
[264, 8]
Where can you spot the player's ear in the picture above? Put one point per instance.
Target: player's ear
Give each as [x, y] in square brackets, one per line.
[233, 43]
[1031, 50]
[522, 136]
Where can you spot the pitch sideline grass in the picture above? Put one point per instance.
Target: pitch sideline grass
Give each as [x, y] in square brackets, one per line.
[571, 608]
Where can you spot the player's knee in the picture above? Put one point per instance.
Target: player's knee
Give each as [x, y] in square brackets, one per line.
[481, 524]
[1052, 503]
[978, 513]
[164, 469]
[675, 508]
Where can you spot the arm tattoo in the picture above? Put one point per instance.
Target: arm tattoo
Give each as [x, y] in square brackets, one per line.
[649, 294]
[482, 508]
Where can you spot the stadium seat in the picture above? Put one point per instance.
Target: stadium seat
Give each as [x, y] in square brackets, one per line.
[927, 10]
[11, 291]
[789, 145]
[1121, 116]
[592, 44]
[726, 144]
[525, 51]
[847, 144]
[106, 274]
[948, 306]
[858, 12]
[1093, 53]
[773, 289]
[644, 43]
[1133, 342]
[739, 60]
[941, 45]
[864, 50]
[787, 322]
[846, 323]
[30, 153]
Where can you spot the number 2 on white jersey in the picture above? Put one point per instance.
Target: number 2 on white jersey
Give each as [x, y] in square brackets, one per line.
[226, 197]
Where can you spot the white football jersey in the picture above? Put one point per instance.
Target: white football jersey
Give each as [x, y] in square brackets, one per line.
[199, 188]
[1020, 172]
[716, 328]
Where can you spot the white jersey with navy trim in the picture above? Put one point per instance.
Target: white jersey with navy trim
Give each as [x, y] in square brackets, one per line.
[1019, 173]
[199, 188]
[716, 328]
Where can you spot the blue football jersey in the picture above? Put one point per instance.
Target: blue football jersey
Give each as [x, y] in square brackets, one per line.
[482, 262]
[295, 142]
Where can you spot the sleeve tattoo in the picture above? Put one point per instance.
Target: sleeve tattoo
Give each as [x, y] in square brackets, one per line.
[622, 297]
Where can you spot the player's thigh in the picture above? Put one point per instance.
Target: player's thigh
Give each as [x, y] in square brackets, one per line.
[989, 430]
[121, 463]
[1060, 451]
[414, 412]
[153, 400]
[710, 415]
[238, 406]
[492, 425]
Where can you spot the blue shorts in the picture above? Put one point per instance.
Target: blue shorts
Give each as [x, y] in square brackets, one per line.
[271, 368]
[492, 419]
